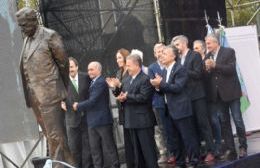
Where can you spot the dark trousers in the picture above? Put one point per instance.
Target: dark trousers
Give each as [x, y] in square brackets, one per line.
[167, 129]
[221, 122]
[217, 118]
[160, 136]
[129, 150]
[239, 122]
[103, 147]
[186, 140]
[142, 146]
[78, 142]
[200, 111]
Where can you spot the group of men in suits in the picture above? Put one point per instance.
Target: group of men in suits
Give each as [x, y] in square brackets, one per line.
[185, 91]
[181, 87]
[192, 92]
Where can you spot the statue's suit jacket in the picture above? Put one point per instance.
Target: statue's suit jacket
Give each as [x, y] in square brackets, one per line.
[45, 71]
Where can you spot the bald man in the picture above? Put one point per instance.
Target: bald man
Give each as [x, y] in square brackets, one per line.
[99, 120]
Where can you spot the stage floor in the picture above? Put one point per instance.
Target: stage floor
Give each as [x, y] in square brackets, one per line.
[253, 148]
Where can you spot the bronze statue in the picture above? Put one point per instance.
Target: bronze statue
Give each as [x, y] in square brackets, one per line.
[45, 74]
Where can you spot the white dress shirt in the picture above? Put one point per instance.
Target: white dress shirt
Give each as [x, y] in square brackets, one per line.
[183, 57]
[215, 55]
[169, 70]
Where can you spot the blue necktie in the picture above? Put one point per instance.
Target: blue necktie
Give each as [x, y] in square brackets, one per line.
[91, 83]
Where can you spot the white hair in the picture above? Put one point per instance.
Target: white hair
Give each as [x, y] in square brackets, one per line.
[137, 52]
[96, 64]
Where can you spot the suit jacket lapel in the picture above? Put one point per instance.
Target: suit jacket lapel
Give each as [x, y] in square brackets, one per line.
[126, 85]
[132, 85]
[219, 54]
[79, 83]
[187, 59]
[22, 52]
[164, 73]
[173, 71]
[35, 45]
[158, 69]
[97, 79]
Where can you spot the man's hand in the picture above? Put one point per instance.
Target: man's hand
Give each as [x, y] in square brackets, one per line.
[156, 81]
[113, 82]
[110, 82]
[210, 64]
[116, 82]
[122, 97]
[63, 106]
[75, 106]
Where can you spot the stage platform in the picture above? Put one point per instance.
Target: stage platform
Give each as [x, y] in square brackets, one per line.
[251, 161]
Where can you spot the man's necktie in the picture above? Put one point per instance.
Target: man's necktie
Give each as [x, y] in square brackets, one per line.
[131, 81]
[74, 82]
[91, 83]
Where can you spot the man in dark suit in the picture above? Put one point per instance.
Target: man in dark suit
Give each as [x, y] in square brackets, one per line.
[136, 96]
[192, 61]
[99, 120]
[77, 130]
[224, 92]
[163, 134]
[178, 105]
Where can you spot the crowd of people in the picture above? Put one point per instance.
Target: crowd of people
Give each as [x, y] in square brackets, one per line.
[168, 110]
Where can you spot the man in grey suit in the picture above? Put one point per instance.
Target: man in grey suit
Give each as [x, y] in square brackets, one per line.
[77, 130]
[45, 73]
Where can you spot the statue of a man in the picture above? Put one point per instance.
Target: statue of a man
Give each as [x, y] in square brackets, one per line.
[45, 74]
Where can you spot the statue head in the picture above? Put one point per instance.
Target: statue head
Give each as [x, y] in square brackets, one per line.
[27, 20]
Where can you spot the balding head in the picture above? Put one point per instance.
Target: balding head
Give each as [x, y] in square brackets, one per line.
[27, 20]
[26, 13]
[94, 69]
